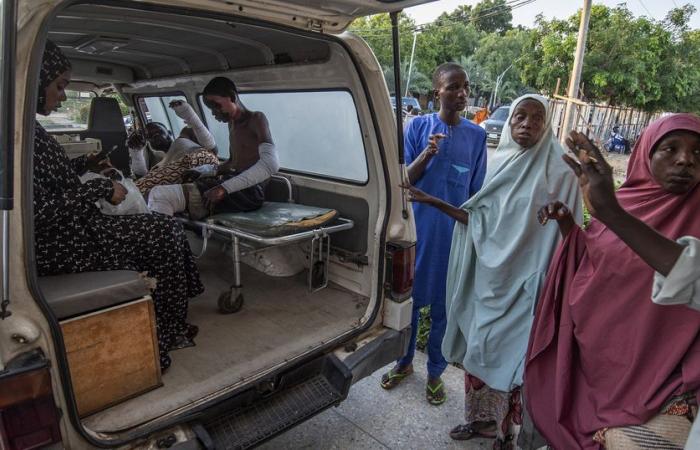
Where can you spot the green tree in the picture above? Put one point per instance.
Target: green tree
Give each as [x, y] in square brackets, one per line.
[499, 55]
[492, 16]
[420, 83]
[376, 31]
[629, 61]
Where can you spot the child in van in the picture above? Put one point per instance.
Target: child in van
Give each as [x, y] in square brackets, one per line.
[195, 146]
[237, 185]
[453, 173]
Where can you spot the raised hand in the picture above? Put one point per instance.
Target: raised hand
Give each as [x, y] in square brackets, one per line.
[433, 142]
[136, 140]
[594, 174]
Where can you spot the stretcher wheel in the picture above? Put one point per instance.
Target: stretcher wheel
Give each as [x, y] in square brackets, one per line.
[230, 302]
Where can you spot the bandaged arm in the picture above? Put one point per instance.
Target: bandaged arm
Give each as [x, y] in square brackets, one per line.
[186, 113]
[267, 165]
[682, 285]
[138, 161]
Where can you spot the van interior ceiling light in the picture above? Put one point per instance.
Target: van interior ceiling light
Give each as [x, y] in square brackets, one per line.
[101, 45]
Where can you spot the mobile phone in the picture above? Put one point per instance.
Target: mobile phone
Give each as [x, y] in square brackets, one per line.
[105, 153]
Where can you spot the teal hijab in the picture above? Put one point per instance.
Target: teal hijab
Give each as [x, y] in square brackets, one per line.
[498, 261]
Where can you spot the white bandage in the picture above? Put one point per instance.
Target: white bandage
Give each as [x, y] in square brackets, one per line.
[138, 161]
[262, 170]
[167, 199]
[186, 113]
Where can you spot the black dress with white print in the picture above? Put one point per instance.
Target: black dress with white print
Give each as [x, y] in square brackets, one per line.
[72, 235]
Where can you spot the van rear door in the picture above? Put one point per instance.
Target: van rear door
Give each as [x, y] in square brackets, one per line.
[330, 16]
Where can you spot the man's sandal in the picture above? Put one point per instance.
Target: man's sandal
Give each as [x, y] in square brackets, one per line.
[435, 395]
[393, 377]
[465, 432]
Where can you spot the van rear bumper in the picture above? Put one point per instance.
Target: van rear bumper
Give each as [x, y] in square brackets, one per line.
[387, 347]
[298, 395]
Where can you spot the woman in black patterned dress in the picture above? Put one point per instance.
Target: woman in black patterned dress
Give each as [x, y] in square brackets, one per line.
[72, 235]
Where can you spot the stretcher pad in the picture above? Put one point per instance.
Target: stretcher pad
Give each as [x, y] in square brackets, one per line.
[276, 219]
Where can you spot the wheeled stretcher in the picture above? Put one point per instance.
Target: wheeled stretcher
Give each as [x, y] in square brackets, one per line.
[274, 224]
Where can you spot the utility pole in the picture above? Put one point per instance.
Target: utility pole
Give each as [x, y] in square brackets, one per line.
[575, 78]
[410, 65]
[494, 96]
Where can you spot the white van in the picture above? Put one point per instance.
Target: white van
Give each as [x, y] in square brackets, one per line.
[322, 310]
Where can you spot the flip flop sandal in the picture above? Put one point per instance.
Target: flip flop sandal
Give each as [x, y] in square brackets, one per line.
[463, 432]
[393, 378]
[436, 395]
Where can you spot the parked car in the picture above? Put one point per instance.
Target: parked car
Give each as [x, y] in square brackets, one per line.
[405, 102]
[78, 366]
[494, 125]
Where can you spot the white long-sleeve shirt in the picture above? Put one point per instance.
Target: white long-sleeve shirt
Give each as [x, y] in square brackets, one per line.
[682, 287]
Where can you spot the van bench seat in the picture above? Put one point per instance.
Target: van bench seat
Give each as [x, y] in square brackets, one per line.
[79, 293]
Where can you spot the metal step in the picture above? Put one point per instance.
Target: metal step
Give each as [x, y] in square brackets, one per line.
[317, 386]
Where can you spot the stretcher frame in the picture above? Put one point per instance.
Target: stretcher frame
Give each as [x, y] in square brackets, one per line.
[231, 301]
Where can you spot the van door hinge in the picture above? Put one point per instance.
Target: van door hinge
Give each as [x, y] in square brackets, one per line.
[315, 25]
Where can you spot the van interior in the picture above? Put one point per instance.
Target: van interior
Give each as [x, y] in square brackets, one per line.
[308, 86]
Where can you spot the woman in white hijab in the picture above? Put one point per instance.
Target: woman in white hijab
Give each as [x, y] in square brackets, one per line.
[498, 261]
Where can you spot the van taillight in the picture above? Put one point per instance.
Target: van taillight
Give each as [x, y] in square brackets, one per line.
[28, 416]
[401, 258]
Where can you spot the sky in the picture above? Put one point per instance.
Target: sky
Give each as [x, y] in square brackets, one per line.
[560, 9]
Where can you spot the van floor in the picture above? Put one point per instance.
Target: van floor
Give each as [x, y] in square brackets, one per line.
[279, 320]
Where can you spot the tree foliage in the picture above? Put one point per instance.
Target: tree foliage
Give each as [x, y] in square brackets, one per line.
[648, 64]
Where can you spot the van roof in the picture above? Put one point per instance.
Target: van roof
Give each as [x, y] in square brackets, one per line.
[125, 44]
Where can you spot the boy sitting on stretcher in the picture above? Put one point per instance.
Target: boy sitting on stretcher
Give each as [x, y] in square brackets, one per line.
[238, 184]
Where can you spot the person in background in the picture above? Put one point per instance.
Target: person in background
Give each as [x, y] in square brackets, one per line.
[481, 115]
[498, 262]
[614, 354]
[430, 105]
[446, 157]
[238, 184]
[72, 235]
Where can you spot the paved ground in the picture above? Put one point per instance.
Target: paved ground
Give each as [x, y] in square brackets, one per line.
[372, 418]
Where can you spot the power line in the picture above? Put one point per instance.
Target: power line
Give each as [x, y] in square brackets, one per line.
[645, 8]
[489, 12]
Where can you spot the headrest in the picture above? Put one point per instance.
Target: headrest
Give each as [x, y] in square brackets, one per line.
[105, 115]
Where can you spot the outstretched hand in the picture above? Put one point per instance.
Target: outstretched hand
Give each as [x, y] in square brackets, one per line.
[594, 174]
[416, 195]
[555, 210]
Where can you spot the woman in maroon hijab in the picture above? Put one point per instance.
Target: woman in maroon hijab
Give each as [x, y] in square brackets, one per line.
[606, 366]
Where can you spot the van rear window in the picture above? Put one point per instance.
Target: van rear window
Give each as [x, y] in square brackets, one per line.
[156, 109]
[315, 132]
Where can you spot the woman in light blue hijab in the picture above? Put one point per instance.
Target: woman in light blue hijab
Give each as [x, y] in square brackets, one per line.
[498, 261]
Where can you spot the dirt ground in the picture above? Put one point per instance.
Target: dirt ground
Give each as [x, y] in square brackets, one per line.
[619, 164]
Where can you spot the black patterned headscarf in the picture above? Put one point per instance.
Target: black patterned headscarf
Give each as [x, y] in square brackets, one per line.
[53, 64]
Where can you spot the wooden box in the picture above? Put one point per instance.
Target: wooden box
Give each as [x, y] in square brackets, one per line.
[112, 354]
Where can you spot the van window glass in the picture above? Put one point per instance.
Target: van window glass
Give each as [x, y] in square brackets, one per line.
[315, 132]
[72, 115]
[155, 109]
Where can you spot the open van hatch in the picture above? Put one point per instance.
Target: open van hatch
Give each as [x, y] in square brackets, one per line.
[320, 15]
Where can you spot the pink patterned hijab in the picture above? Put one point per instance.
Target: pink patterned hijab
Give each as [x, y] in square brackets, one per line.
[601, 354]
